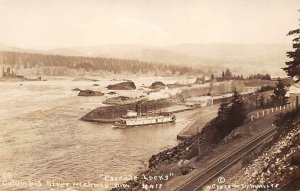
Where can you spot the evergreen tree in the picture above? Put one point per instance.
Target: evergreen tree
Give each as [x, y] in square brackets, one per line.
[222, 118]
[212, 77]
[268, 77]
[228, 74]
[223, 111]
[279, 94]
[237, 112]
[231, 114]
[293, 67]
[261, 102]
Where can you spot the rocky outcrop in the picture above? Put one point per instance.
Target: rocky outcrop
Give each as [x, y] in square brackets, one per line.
[208, 138]
[90, 93]
[157, 85]
[172, 155]
[129, 85]
[76, 89]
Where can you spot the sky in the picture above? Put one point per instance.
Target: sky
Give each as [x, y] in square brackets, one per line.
[66, 23]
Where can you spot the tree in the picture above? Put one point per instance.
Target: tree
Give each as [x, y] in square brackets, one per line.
[228, 74]
[212, 77]
[261, 102]
[231, 114]
[293, 67]
[237, 112]
[267, 77]
[222, 118]
[223, 111]
[279, 93]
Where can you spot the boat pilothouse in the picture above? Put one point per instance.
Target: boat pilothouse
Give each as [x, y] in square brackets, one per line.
[132, 118]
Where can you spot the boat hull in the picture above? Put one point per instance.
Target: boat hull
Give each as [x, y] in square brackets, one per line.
[149, 123]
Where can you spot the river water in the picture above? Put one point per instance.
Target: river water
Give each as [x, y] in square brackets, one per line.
[42, 138]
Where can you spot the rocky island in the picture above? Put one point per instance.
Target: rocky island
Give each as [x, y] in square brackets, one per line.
[157, 85]
[10, 75]
[129, 85]
[111, 114]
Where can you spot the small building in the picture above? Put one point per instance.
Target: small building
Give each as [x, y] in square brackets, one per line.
[199, 101]
[293, 91]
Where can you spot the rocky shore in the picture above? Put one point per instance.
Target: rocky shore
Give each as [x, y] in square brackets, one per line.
[170, 161]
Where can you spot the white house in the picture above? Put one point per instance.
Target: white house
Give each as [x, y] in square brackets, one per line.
[293, 90]
[201, 101]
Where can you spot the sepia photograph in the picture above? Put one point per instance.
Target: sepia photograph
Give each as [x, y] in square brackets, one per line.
[149, 95]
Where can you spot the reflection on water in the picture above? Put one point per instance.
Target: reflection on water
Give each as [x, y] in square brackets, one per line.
[42, 139]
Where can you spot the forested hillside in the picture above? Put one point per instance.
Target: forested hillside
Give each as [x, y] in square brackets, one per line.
[246, 58]
[42, 64]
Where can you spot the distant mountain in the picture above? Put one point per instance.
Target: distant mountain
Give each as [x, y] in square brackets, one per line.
[246, 58]
[9, 48]
[4, 47]
[66, 52]
[116, 51]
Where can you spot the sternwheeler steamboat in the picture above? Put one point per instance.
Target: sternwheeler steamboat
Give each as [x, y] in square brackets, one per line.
[132, 118]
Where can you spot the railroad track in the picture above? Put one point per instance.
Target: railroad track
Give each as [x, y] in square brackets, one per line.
[197, 182]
